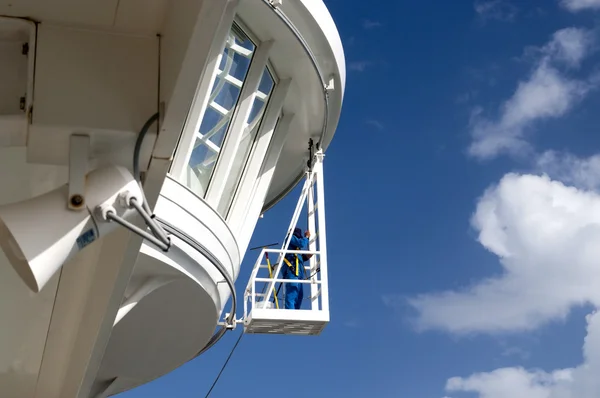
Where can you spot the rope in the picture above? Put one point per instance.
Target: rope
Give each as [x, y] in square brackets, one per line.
[224, 365]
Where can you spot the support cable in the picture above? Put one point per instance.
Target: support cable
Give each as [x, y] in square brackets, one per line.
[224, 366]
[136, 156]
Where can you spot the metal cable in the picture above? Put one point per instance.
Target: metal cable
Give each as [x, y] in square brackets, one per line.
[224, 366]
[136, 157]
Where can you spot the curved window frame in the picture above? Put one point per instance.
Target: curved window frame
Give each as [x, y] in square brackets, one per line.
[193, 139]
[228, 200]
[226, 160]
[250, 175]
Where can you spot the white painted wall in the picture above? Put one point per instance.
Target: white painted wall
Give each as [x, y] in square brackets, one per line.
[91, 80]
[13, 77]
[25, 316]
[175, 33]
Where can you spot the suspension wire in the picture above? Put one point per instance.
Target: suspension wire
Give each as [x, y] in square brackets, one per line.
[224, 365]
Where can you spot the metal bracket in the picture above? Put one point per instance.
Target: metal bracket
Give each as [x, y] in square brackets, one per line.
[79, 149]
[230, 326]
[330, 86]
[311, 158]
[312, 154]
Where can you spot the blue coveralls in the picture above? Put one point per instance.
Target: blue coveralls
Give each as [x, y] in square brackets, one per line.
[294, 292]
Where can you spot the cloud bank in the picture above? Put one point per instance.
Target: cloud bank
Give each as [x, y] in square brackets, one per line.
[546, 94]
[546, 236]
[500, 10]
[578, 382]
[580, 5]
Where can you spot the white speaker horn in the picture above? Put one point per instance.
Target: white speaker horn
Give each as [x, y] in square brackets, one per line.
[40, 234]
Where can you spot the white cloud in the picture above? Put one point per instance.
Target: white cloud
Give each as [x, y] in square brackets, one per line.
[375, 123]
[570, 45]
[579, 5]
[546, 94]
[495, 9]
[369, 24]
[582, 173]
[547, 238]
[579, 382]
[359, 66]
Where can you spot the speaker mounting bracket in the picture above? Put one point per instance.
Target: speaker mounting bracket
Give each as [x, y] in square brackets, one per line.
[79, 149]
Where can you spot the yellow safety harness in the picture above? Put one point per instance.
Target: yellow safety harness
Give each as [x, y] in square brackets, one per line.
[271, 276]
[290, 264]
[291, 267]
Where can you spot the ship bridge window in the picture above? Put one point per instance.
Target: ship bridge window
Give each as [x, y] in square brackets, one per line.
[220, 160]
[251, 128]
[226, 87]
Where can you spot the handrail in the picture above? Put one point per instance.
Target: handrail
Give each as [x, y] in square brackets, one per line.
[283, 253]
[251, 296]
[285, 281]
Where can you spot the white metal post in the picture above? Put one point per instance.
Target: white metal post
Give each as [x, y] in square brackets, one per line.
[322, 232]
[312, 227]
[286, 244]
[246, 303]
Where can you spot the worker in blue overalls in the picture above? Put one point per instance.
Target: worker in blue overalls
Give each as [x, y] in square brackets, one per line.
[294, 269]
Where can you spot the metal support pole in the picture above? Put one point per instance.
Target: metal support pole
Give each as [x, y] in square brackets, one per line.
[79, 149]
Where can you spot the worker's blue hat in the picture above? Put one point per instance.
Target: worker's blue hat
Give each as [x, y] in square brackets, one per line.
[298, 233]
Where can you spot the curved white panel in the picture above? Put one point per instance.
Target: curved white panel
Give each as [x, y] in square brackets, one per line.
[165, 330]
[323, 19]
[166, 325]
[184, 210]
[25, 319]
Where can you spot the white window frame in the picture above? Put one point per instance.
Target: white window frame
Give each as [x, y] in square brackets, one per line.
[245, 217]
[231, 143]
[270, 114]
[198, 109]
[245, 192]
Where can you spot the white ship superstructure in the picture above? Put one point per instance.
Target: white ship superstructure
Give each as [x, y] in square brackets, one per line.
[140, 141]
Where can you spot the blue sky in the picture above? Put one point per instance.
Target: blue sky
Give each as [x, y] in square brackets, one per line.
[463, 219]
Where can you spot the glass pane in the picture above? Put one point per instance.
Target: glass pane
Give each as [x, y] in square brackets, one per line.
[252, 125]
[224, 96]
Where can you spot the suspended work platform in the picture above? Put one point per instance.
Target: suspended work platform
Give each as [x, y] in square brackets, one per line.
[267, 314]
[264, 297]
